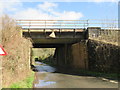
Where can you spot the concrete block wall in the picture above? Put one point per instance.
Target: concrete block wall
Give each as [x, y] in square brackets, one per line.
[74, 56]
[80, 56]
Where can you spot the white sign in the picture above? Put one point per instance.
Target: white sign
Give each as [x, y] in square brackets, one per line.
[2, 51]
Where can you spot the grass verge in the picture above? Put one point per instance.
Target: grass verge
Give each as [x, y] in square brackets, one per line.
[26, 83]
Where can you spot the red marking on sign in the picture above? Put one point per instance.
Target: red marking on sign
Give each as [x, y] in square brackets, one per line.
[2, 51]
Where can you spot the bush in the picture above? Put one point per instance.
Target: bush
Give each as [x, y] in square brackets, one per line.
[18, 50]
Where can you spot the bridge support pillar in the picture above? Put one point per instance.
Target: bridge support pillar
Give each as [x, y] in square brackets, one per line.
[79, 55]
[74, 56]
[63, 55]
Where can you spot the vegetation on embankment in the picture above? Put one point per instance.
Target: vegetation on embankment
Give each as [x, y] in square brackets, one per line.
[42, 54]
[26, 83]
[15, 66]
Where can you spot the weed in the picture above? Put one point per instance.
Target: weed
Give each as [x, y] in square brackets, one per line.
[26, 83]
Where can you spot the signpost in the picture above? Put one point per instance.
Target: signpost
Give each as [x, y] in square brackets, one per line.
[2, 51]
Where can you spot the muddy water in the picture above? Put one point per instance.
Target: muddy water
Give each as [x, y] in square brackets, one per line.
[47, 78]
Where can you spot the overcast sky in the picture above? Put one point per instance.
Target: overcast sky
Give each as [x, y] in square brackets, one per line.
[99, 9]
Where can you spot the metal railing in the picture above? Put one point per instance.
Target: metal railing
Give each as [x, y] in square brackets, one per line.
[104, 24]
[53, 24]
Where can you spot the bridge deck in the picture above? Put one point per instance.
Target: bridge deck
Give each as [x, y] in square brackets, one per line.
[62, 36]
[53, 29]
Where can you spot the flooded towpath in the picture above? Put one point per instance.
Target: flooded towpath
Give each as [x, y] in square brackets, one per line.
[46, 77]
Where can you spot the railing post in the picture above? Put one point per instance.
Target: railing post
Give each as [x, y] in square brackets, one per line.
[65, 53]
[29, 29]
[45, 24]
[84, 25]
[45, 29]
[88, 23]
[29, 24]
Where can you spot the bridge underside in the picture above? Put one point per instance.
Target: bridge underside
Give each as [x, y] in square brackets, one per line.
[65, 37]
[46, 45]
[56, 40]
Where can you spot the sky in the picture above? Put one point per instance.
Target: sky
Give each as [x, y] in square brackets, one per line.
[98, 9]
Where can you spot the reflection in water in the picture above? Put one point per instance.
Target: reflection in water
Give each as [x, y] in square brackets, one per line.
[45, 78]
[44, 83]
[41, 67]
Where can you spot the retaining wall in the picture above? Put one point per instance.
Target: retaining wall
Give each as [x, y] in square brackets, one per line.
[103, 56]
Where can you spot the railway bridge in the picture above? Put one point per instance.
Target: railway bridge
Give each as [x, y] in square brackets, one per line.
[52, 33]
[67, 36]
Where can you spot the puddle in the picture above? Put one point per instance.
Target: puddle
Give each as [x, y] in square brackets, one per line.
[43, 83]
[41, 67]
[39, 63]
[45, 78]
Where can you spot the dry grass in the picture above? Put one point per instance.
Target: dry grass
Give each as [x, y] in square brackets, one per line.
[15, 65]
